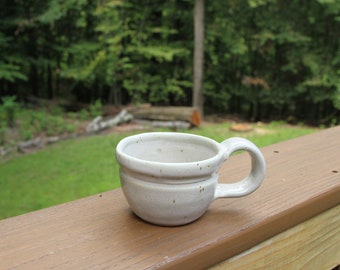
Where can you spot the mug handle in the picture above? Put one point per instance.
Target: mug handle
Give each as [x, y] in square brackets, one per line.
[255, 177]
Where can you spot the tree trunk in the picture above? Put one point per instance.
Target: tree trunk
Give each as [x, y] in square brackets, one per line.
[115, 95]
[33, 80]
[49, 82]
[198, 55]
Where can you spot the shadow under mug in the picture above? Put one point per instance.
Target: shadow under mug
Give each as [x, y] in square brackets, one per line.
[171, 178]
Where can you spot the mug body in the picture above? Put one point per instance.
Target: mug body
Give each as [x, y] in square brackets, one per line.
[167, 204]
[169, 178]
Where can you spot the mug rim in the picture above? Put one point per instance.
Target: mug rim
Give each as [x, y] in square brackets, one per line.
[169, 169]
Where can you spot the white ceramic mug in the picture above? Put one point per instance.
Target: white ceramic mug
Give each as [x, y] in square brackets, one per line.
[170, 178]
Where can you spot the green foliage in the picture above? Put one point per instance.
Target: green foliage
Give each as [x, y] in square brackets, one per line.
[50, 124]
[84, 114]
[286, 49]
[35, 123]
[26, 133]
[10, 69]
[125, 51]
[58, 9]
[263, 58]
[9, 108]
[3, 132]
[11, 72]
[96, 109]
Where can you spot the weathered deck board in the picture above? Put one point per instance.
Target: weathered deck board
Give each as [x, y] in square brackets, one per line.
[313, 244]
[99, 232]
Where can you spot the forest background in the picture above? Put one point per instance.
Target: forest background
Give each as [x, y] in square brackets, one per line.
[263, 59]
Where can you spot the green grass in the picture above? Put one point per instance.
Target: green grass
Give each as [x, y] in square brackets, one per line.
[262, 134]
[81, 167]
[59, 173]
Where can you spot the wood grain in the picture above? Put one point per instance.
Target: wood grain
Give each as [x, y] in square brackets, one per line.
[313, 244]
[100, 232]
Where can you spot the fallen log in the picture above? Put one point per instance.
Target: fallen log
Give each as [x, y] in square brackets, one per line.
[99, 123]
[25, 146]
[5, 150]
[188, 114]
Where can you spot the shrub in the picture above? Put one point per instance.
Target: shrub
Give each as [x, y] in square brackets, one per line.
[3, 131]
[9, 107]
[96, 108]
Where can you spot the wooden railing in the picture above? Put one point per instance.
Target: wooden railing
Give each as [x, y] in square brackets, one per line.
[291, 222]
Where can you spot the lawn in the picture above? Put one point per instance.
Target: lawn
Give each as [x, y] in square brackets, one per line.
[80, 167]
